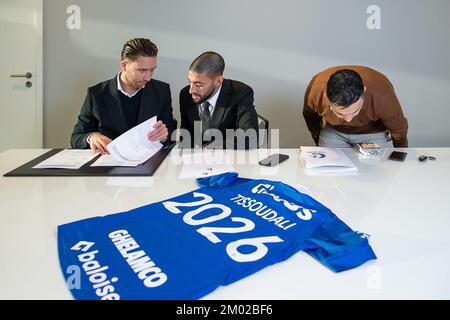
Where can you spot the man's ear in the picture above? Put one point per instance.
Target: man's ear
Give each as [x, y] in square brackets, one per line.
[365, 88]
[219, 80]
[123, 65]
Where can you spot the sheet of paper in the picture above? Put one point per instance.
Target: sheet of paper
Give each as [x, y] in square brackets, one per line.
[133, 146]
[204, 163]
[108, 160]
[67, 159]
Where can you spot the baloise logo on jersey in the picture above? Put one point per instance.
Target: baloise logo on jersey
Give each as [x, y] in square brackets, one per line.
[185, 247]
[103, 285]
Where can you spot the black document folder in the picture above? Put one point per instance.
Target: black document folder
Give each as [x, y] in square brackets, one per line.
[147, 168]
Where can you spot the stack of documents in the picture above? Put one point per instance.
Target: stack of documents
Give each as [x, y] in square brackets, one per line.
[204, 163]
[130, 148]
[320, 160]
[67, 159]
[133, 146]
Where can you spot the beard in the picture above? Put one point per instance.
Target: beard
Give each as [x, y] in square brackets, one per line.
[204, 97]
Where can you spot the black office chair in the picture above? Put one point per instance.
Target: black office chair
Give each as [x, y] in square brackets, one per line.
[263, 125]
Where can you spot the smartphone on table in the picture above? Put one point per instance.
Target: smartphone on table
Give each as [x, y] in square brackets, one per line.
[397, 156]
[274, 160]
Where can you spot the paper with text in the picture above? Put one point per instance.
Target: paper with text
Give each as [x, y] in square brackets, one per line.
[133, 146]
[67, 159]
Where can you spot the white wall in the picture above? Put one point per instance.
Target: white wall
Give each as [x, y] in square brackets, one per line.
[274, 46]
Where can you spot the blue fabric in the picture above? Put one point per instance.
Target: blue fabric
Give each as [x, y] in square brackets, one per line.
[185, 247]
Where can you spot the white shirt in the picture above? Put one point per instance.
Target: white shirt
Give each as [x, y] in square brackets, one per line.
[119, 87]
[212, 102]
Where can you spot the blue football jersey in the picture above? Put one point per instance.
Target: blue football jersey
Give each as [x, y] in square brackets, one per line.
[185, 247]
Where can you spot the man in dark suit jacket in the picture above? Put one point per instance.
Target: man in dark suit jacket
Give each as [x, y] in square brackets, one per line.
[210, 106]
[114, 106]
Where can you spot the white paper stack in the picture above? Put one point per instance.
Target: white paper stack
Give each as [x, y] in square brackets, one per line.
[67, 159]
[324, 161]
[131, 148]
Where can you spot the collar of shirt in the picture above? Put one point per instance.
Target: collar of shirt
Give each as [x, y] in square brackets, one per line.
[119, 87]
[213, 100]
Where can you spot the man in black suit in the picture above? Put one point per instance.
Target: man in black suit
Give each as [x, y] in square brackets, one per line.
[114, 106]
[216, 112]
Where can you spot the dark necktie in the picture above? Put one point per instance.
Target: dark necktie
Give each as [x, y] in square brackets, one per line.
[205, 116]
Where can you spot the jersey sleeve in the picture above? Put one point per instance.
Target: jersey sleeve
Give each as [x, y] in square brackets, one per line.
[337, 246]
[221, 181]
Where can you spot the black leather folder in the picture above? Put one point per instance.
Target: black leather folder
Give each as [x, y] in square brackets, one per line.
[147, 168]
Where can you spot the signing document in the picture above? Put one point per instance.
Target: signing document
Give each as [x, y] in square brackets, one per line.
[131, 148]
[67, 159]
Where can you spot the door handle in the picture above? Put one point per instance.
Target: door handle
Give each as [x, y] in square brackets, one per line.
[27, 75]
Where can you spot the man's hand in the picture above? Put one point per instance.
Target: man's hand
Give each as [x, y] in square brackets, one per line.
[99, 142]
[159, 132]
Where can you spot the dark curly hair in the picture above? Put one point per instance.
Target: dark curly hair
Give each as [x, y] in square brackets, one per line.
[344, 87]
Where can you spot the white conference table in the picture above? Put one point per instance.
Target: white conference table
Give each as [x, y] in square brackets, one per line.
[405, 207]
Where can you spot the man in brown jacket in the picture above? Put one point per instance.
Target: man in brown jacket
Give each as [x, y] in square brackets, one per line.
[346, 105]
